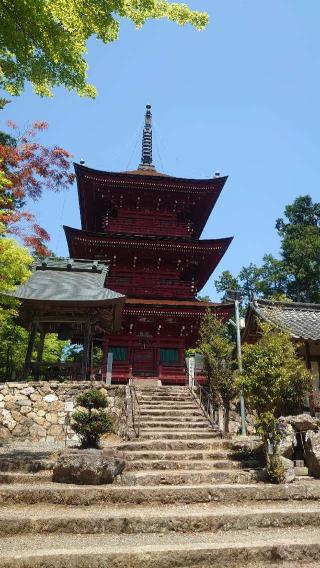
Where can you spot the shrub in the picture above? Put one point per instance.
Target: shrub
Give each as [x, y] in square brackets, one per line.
[217, 349]
[92, 422]
[275, 382]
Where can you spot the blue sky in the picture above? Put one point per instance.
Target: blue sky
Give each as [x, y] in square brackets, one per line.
[241, 97]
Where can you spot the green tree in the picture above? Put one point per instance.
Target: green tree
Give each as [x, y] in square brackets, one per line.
[296, 274]
[274, 382]
[15, 264]
[45, 41]
[217, 349]
[53, 348]
[92, 422]
[300, 248]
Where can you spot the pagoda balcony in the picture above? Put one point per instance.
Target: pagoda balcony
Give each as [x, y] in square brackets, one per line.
[156, 292]
[148, 223]
[147, 288]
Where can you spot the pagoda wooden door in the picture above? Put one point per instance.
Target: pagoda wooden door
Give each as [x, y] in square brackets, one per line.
[143, 361]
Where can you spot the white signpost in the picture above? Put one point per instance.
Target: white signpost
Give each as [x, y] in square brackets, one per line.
[109, 368]
[68, 408]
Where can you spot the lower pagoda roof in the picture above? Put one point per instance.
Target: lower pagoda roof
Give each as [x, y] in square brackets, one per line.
[198, 258]
[179, 307]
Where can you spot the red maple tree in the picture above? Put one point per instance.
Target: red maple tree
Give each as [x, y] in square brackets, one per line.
[30, 168]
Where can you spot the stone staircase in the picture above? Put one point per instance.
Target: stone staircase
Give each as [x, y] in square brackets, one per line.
[183, 501]
[177, 445]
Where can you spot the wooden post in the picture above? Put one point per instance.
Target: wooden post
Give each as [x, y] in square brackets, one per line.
[307, 350]
[32, 335]
[41, 345]
[86, 341]
[91, 358]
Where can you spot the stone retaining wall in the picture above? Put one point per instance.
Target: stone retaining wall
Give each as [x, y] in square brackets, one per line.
[35, 411]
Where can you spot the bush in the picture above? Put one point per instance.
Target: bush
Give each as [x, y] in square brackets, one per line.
[275, 382]
[275, 470]
[90, 424]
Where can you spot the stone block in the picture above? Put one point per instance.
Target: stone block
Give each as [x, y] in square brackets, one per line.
[27, 391]
[5, 434]
[35, 397]
[289, 472]
[25, 410]
[37, 432]
[55, 430]
[7, 420]
[87, 467]
[301, 471]
[52, 417]
[50, 398]
[23, 402]
[303, 422]
[312, 452]
[21, 431]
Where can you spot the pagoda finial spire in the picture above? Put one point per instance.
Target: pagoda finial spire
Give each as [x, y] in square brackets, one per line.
[146, 154]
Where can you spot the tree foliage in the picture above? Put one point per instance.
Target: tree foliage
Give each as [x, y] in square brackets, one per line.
[45, 41]
[274, 381]
[15, 263]
[296, 274]
[27, 169]
[92, 422]
[217, 348]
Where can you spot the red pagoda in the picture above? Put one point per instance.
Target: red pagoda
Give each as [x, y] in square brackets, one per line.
[147, 226]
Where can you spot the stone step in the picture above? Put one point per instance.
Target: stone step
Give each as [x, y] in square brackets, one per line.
[148, 434]
[29, 465]
[178, 455]
[197, 518]
[184, 477]
[188, 443]
[76, 495]
[173, 424]
[166, 401]
[136, 465]
[144, 397]
[175, 413]
[214, 549]
[27, 477]
[169, 405]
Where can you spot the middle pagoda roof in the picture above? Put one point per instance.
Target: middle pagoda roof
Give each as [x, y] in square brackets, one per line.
[197, 258]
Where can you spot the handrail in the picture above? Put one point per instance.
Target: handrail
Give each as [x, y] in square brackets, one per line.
[212, 410]
[135, 407]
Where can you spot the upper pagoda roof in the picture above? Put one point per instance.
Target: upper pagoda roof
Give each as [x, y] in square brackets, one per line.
[192, 198]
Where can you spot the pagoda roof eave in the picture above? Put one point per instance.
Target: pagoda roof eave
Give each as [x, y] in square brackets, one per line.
[178, 303]
[145, 241]
[80, 170]
[138, 182]
[209, 252]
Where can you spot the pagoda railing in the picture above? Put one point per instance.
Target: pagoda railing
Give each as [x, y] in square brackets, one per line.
[175, 290]
[155, 230]
[211, 409]
[134, 408]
